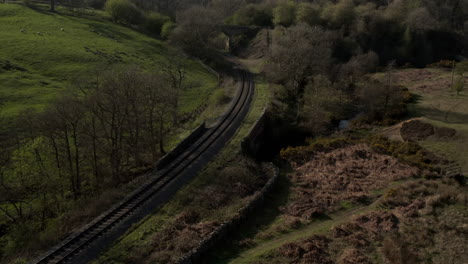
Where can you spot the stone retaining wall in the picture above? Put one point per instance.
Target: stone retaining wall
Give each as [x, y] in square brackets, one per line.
[182, 146]
[252, 143]
[227, 228]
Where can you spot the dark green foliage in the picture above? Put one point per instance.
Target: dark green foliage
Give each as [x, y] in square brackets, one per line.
[123, 11]
[167, 29]
[309, 14]
[154, 22]
[410, 152]
[284, 14]
[302, 154]
[252, 15]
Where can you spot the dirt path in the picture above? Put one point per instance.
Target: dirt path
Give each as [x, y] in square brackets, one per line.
[319, 227]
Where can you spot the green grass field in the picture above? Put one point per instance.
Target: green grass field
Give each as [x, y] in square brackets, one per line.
[43, 53]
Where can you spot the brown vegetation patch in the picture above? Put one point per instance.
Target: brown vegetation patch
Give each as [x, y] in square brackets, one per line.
[425, 222]
[377, 223]
[353, 256]
[183, 235]
[312, 250]
[413, 75]
[416, 130]
[346, 174]
[444, 132]
[365, 228]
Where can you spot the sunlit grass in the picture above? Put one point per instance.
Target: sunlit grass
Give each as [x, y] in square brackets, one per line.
[55, 49]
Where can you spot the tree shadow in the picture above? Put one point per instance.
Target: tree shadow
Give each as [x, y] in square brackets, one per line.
[447, 116]
[262, 218]
[107, 31]
[38, 7]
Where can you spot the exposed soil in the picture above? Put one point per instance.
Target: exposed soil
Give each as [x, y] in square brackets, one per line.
[346, 174]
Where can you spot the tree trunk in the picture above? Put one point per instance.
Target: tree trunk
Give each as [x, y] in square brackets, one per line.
[59, 167]
[161, 140]
[52, 5]
[95, 158]
[70, 164]
[77, 160]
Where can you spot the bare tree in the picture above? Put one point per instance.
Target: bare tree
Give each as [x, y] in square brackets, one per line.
[196, 27]
[175, 73]
[311, 55]
[322, 103]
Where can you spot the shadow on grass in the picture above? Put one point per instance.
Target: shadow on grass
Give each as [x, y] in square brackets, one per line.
[263, 217]
[39, 7]
[447, 116]
[107, 31]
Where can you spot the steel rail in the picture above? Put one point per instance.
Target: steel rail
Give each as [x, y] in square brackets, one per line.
[86, 235]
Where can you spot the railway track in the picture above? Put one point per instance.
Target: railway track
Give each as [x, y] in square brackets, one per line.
[86, 243]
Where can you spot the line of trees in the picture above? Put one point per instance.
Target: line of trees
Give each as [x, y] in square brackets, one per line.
[408, 31]
[103, 134]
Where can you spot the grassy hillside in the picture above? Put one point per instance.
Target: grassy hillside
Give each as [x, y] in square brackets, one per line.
[438, 104]
[42, 53]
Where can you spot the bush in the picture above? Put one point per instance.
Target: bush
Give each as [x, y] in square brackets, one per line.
[154, 22]
[97, 4]
[167, 29]
[442, 64]
[252, 15]
[220, 97]
[284, 14]
[410, 152]
[302, 154]
[340, 14]
[123, 11]
[309, 14]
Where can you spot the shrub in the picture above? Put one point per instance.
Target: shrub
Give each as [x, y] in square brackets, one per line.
[97, 4]
[154, 22]
[167, 29]
[284, 14]
[442, 64]
[309, 14]
[339, 14]
[220, 97]
[461, 67]
[410, 152]
[252, 15]
[123, 11]
[302, 154]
